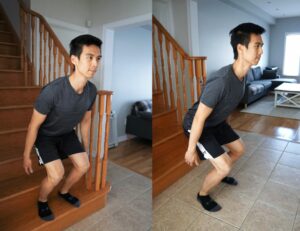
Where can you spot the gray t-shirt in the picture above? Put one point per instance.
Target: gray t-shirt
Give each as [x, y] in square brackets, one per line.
[63, 106]
[222, 92]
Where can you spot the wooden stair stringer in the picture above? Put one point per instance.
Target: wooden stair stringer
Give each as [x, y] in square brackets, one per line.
[168, 156]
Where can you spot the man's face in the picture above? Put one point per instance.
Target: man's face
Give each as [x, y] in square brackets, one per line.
[88, 62]
[254, 51]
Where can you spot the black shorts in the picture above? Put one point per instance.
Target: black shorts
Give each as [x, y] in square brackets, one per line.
[210, 143]
[50, 148]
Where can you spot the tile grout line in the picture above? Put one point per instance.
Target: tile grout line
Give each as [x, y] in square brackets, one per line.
[262, 188]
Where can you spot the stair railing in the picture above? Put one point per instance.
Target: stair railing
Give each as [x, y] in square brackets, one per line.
[102, 120]
[177, 74]
[41, 51]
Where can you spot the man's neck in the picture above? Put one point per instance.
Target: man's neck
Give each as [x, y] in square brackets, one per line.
[78, 82]
[240, 68]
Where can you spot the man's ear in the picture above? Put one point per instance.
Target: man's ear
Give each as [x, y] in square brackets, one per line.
[240, 48]
[74, 59]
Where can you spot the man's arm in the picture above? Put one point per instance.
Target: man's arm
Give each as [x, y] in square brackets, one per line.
[85, 125]
[201, 115]
[36, 120]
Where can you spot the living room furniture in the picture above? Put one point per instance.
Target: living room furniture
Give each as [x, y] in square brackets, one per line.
[256, 86]
[287, 95]
[139, 122]
[279, 81]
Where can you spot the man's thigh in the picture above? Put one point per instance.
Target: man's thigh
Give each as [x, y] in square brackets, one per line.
[54, 168]
[236, 146]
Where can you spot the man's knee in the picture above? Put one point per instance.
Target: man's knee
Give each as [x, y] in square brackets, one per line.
[224, 170]
[55, 177]
[82, 165]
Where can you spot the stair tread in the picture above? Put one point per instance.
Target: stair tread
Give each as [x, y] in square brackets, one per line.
[5, 32]
[10, 56]
[8, 44]
[164, 135]
[12, 131]
[19, 87]
[16, 107]
[29, 220]
[167, 138]
[15, 186]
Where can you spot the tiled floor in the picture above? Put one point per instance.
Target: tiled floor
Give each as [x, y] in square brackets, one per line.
[129, 205]
[267, 197]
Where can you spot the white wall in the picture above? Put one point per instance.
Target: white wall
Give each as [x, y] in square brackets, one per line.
[277, 39]
[216, 19]
[71, 11]
[132, 72]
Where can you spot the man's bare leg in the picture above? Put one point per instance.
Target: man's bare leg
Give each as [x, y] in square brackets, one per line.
[81, 165]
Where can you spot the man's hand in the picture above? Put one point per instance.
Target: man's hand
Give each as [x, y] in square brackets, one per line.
[191, 157]
[27, 165]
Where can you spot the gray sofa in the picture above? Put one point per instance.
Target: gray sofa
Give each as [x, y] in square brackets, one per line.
[139, 122]
[258, 84]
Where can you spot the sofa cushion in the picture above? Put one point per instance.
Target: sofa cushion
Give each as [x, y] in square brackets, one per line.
[256, 73]
[267, 83]
[256, 88]
[141, 106]
[250, 76]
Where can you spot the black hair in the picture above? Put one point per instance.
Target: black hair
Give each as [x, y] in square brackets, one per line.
[77, 43]
[241, 35]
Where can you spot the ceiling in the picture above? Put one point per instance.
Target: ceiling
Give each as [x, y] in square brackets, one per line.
[279, 8]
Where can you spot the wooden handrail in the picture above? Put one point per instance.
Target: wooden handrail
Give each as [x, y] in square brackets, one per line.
[179, 88]
[50, 49]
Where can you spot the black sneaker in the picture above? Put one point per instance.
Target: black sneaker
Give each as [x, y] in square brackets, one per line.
[208, 203]
[70, 199]
[45, 212]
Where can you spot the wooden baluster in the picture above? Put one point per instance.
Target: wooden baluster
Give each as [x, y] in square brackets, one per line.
[65, 67]
[179, 118]
[22, 38]
[99, 143]
[41, 54]
[183, 78]
[45, 58]
[49, 58]
[25, 50]
[33, 77]
[54, 61]
[104, 161]
[198, 72]
[171, 95]
[191, 78]
[90, 171]
[59, 63]
[163, 68]
[158, 87]
[203, 72]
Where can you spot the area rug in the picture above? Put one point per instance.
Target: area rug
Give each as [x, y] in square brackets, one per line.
[265, 106]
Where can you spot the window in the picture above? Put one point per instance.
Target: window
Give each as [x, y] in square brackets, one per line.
[291, 63]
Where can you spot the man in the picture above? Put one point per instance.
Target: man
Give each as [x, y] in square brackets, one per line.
[61, 105]
[205, 123]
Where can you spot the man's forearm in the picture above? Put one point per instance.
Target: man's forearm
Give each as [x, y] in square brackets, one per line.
[84, 130]
[30, 139]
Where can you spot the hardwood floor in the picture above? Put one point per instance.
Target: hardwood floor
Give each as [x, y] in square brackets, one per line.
[134, 154]
[282, 128]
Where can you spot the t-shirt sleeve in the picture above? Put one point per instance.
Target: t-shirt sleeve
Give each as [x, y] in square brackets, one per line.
[93, 97]
[212, 93]
[45, 101]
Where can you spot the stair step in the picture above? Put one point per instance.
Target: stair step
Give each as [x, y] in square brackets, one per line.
[158, 102]
[3, 26]
[10, 62]
[168, 156]
[18, 95]
[6, 36]
[12, 77]
[17, 165]
[14, 117]
[25, 216]
[165, 124]
[12, 143]
[19, 185]
[9, 49]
